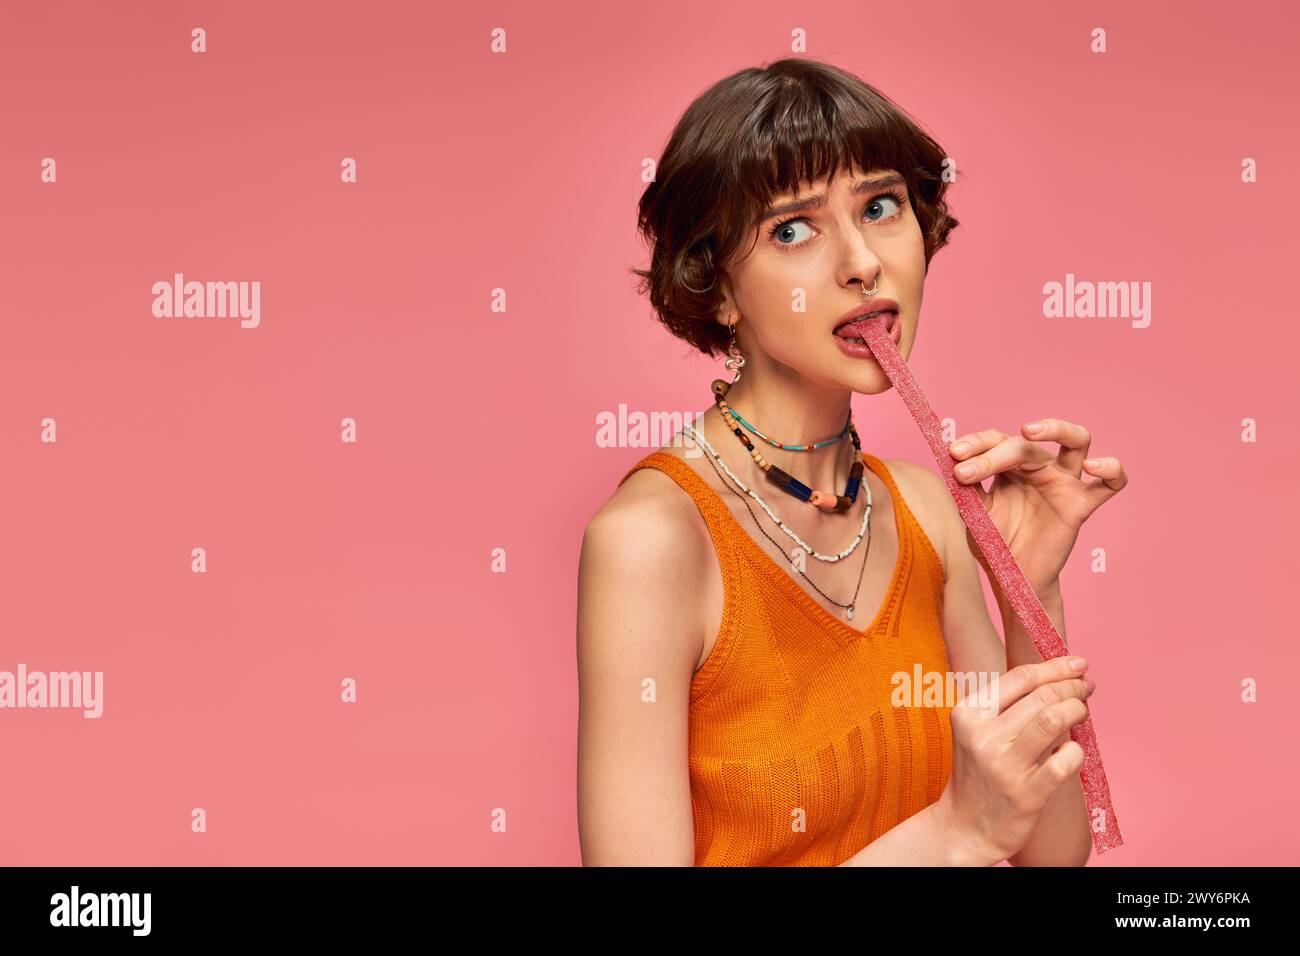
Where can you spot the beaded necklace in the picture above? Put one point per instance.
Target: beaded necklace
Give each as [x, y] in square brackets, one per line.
[825, 500]
[848, 608]
[807, 548]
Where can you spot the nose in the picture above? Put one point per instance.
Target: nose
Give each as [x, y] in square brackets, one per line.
[857, 260]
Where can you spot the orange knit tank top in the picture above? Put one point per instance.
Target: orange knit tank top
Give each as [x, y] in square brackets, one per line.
[798, 756]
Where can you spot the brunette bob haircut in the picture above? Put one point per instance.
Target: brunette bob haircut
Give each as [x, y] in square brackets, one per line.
[750, 137]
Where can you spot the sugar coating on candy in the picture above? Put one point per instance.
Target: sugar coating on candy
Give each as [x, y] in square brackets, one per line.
[1037, 622]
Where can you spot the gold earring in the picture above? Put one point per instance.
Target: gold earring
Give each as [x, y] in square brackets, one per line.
[735, 361]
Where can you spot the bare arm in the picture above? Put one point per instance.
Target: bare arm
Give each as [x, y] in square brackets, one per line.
[638, 642]
[929, 837]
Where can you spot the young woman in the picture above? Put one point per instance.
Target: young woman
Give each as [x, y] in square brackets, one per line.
[750, 593]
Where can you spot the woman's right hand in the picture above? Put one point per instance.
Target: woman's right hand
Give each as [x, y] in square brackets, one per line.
[1006, 765]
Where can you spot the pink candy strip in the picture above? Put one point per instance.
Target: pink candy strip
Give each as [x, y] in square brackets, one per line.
[1012, 580]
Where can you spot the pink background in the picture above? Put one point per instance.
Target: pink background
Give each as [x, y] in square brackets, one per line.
[477, 429]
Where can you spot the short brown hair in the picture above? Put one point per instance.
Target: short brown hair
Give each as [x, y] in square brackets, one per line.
[752, 136]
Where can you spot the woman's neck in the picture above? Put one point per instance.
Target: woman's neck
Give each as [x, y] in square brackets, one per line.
[797, 417]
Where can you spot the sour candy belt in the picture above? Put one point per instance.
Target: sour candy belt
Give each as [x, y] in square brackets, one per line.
[1096, 792]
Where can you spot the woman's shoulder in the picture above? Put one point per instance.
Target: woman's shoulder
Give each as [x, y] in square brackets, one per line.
[639, 597]
[926, 496]
[649, 504]
[911, 475]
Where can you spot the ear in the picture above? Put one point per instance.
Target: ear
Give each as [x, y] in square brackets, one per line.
[727, 314]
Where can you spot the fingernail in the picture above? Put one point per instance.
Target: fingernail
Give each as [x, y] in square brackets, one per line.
[1034, 427]
[1078, 663]
[961, 448]
[966, 470]
[1092, 462]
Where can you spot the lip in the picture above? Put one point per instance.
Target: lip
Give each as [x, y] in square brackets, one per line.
[862, 308]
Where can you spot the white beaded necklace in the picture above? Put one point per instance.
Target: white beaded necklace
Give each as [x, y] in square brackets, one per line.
[866, 515]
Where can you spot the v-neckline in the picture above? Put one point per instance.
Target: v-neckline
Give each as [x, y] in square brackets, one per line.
[799, 594]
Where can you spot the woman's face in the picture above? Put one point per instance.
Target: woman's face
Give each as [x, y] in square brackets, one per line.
[795, 285]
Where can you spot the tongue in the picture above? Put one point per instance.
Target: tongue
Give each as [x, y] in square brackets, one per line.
[854, 329]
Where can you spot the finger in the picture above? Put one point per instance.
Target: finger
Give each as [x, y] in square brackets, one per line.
[968, 447]
[1055, 770]
[1040, 735]
[1056, 745]
[1111, 478]
[1073, 439]
[1065, 734]
[1020, 682]
[1020, 716]
[1014, 451]
[974, 443]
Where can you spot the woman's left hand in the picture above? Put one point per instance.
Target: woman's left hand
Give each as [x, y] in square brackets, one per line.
[1037, 499]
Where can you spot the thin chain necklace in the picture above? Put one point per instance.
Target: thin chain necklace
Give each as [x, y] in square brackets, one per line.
[848, 608]
[807, 548]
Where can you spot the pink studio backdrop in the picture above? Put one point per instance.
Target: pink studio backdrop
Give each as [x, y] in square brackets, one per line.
[476, 429]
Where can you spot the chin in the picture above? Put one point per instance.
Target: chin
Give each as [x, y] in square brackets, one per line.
[868, 378]
[871, 383]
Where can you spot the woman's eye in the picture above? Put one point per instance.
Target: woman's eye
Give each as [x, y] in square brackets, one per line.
[882, 200]
[783, 232]
[881, 208]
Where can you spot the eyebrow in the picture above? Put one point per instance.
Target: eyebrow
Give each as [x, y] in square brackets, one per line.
[818, 200]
